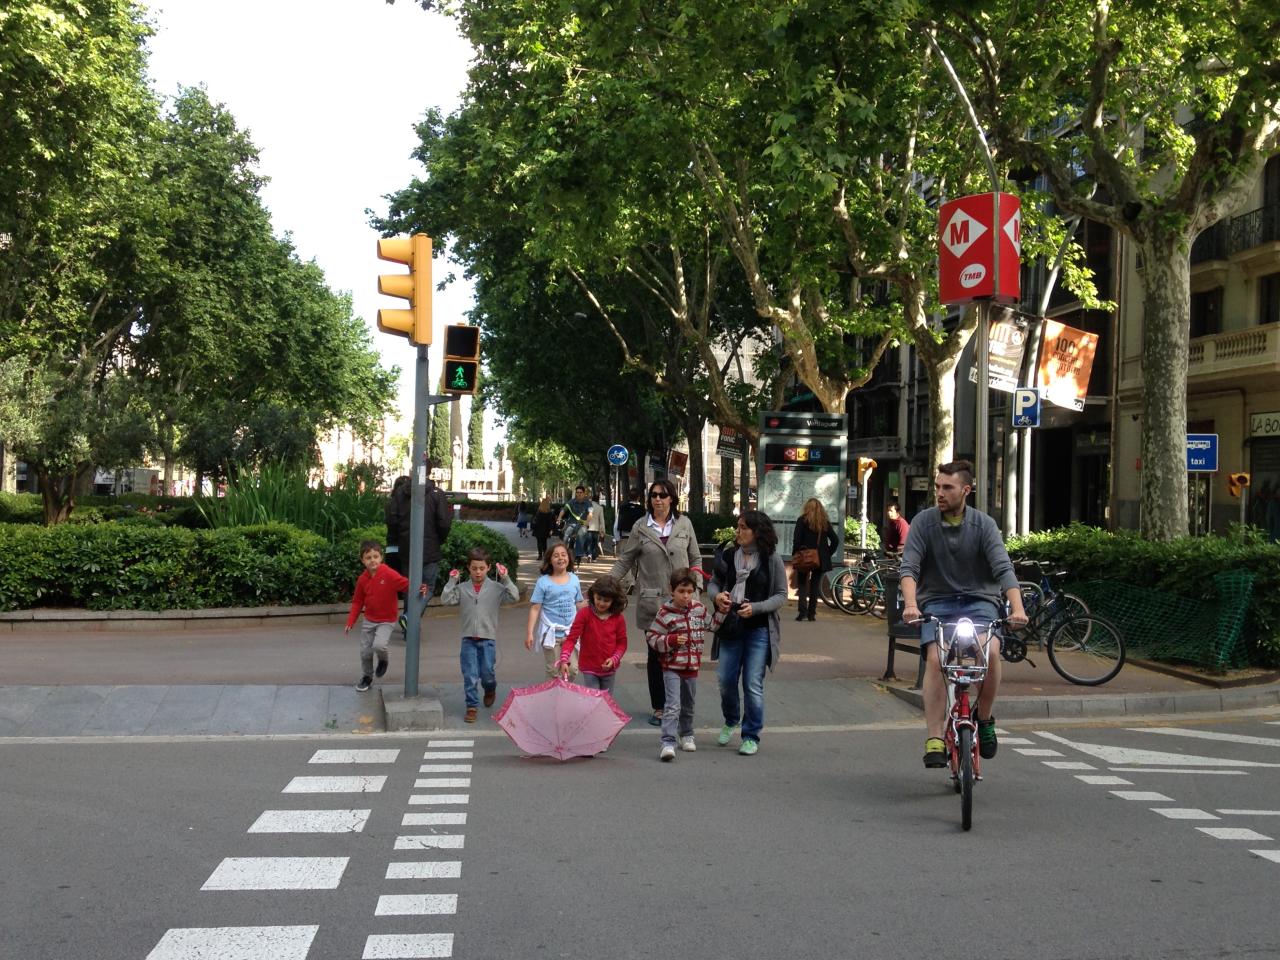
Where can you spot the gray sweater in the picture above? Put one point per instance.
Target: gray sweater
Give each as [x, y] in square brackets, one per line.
[479, 610]
[946, 560]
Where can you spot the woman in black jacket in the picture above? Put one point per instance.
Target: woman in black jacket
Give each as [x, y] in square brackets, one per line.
[813, 532]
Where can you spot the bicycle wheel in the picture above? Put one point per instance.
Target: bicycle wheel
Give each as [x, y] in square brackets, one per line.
[824, 590]
[966, 777]
[874, 592]
[842, 590]
[1065, 606]
[1087, 650]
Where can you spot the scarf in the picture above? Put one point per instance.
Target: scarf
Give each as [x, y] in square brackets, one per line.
[744, 561]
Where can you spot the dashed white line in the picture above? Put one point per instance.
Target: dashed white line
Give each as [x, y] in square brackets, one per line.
[1017, 742]
[431, 782]
[1218, 735]
[1103, 781]
[433, 819]
[431, 841]
[411, 946]
[277, 873]
[1037, 752]
[1148, 796]
[1272, 855]
[433, 744]
[310, 821]
[445, 768]
[365, 784]
[1185, 813]
[421, 798]
[412, 905]
[448, 755]
[235, 943]
[1233, 833]
[425, 870]
[1251, 813]
[1182, 770]
[354, 756]
[1068, 765]
[1129, 756]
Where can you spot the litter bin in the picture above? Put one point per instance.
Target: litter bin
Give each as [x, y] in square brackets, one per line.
[899, 633]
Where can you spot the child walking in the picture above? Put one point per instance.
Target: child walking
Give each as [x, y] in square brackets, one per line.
[480, 601]
[556, 598]
[376, 595]
[599, 631]
[676, 636]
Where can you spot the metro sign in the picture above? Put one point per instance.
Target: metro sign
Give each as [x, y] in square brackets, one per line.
[965, 249]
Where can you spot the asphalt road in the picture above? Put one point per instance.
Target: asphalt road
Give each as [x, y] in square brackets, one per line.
[1089, 842]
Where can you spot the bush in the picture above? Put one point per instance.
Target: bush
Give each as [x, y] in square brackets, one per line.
[463, 537]
[277, 494]
[852, 534]
[705, 525]
[1183, 567]
[21, 508]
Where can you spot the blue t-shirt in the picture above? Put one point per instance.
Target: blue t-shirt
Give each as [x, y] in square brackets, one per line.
[559, 600]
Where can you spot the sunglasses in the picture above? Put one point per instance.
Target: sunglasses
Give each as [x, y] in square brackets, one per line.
[659, 495]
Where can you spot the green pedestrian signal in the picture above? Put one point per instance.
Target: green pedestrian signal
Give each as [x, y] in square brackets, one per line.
[460, 376]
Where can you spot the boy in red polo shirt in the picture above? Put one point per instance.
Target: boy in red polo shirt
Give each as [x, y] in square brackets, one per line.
[377, 591]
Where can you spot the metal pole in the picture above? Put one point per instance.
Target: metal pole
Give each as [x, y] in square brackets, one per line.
[417, 523]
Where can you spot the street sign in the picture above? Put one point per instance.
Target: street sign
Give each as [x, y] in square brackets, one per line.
[731, 444]
[1202, 452]
[1026, 407]
[966, 254]
[618, 455]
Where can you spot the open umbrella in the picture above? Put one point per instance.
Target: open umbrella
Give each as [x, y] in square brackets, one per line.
[560, 719]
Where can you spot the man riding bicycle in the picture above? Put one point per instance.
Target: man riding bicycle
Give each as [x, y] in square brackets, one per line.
[955, 565]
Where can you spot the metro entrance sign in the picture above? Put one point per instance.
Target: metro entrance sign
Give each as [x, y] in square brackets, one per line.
[966, 251]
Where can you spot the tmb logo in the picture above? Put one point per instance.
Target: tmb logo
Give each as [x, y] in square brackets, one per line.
[972, 275]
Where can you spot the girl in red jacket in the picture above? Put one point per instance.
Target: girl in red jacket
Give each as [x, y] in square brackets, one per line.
[376, 596]
[601, 631]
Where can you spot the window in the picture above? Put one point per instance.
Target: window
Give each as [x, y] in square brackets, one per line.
[1206, 312]
[1269, 298]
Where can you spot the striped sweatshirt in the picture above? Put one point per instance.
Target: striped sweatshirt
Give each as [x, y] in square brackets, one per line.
[692, 622]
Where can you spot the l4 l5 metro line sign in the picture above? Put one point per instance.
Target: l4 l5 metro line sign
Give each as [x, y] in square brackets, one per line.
[967, 250]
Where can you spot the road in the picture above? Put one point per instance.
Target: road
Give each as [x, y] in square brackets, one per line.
[1151, 840]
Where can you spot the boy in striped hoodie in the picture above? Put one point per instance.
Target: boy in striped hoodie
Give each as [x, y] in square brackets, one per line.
[676, 634]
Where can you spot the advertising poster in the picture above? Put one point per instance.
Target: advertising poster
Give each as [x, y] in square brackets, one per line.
[1066, 361]
[792, 473]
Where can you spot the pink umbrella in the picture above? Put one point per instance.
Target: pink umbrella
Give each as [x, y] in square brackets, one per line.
[560, 719]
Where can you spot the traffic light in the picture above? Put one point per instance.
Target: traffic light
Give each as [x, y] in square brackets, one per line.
[461, 359]
[414, 286]
[1236, 482]
[865, 466]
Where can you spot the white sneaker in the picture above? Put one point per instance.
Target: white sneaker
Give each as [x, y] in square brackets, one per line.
[667, 753]
[687, 745]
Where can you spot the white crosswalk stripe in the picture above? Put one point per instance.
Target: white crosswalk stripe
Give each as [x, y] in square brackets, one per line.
[1185, 813]
[434, 744]
[431, 841]
[447, 755]
[433, 819]
[235, 943]
[277, 873]
[444, 798]
[310, 821]
[416, 904]
[440, 782]
[425, 870]
[445, 768]
[363, 784]
[412, 946]
[354, 756]
[1148, 796]
[1233, 833]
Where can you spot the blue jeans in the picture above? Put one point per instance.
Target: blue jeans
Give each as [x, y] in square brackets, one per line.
[477, 658]
[429, 573]
[743, 659]
[949, 609]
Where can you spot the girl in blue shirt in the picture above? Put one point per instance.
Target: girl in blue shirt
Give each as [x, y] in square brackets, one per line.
[555, 601]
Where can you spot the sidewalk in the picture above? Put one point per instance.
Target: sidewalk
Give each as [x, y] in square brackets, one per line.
[266, 678]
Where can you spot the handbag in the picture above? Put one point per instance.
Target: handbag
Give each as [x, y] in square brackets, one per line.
[805, 559]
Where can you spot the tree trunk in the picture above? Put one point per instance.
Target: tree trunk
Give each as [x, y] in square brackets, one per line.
[697, 475]
[942, 401]
[1166, 280]
[744, 489]
[727, 486]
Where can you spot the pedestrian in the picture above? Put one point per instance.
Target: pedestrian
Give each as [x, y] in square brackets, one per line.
[438, 519]
[599, 632]
[556, 598]
[543, 518]
[480, 601]
[595, 529]
[625, 518]
[376, 598]
[576, 515]
[661, 541]
[749, 582]
[398, 563]
[522, 519]
[676, 635]
[896, 530]
[813, 544]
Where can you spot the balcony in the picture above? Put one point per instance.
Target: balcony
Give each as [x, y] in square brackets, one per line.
[1209, 264]
[1236, 355]
[1253, 240]
[888, 447]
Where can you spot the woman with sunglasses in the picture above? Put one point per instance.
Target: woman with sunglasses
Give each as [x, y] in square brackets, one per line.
[660, 541]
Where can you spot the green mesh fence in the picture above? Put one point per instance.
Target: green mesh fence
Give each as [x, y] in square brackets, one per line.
[1160, 626]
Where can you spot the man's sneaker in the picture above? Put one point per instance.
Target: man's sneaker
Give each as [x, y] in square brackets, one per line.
[655, 720]
[381, 669]
[987, 742]
[726, 734]
[490, 696]
[748, 748]
[687, 745]
[667, 753]
[365, 683]
[470, 716]
[935, 753]
[403, 623]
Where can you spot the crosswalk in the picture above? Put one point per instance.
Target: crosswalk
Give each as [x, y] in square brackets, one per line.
[429, 849]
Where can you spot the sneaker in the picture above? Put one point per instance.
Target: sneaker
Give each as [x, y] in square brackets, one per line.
[687, 745]
[748, 748]
[667, 753]
[490, 696]
[365, 683]
[987, 742]
[403, 623]
[935, 753]
[726, 734]
[470, 716]
[381, 670]
[655, 720]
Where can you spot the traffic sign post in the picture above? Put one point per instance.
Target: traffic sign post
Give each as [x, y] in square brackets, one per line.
[618, 455]
[1202, 453]
[1026, 407]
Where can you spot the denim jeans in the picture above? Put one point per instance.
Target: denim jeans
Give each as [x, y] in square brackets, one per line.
[429, 572]
[949, 609]
[742, 661]
[477, 658]
[677, 712]
[597, 681]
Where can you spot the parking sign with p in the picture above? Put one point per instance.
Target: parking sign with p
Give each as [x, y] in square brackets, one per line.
[1026, 407]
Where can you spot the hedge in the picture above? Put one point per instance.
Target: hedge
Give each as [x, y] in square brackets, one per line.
[1183, 567]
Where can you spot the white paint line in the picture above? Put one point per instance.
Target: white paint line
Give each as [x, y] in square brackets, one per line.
[1210, 735]
[1251, 813]
[425, 870]
[1068, 765]
[1037, 752]
[335, 785]
[431, 841]
[436, 744]
[433, 819]
[413, 905]
[447, 755]
[235, 943]
[1101, 781]
[277, 873]
[310, 821]
[1017, 741]
[421, 798]
[445, 768]
[408, 946]
[435, 782]
[1272, 855]
[354, 756]
[1147, 796]
[1185, 813]
[1119, 756]
[1234, 833]
[1214, 773]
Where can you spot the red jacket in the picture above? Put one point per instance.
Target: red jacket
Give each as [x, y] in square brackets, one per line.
[376, 596]
[600, 640]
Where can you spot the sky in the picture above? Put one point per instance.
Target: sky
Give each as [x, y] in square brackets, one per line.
[329, 91]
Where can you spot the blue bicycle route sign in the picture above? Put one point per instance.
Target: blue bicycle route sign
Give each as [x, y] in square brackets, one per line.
[617, 455]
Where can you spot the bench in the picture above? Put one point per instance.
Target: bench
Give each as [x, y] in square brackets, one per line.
[900, 633]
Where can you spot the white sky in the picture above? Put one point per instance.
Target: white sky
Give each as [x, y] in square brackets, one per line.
[329, 90]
